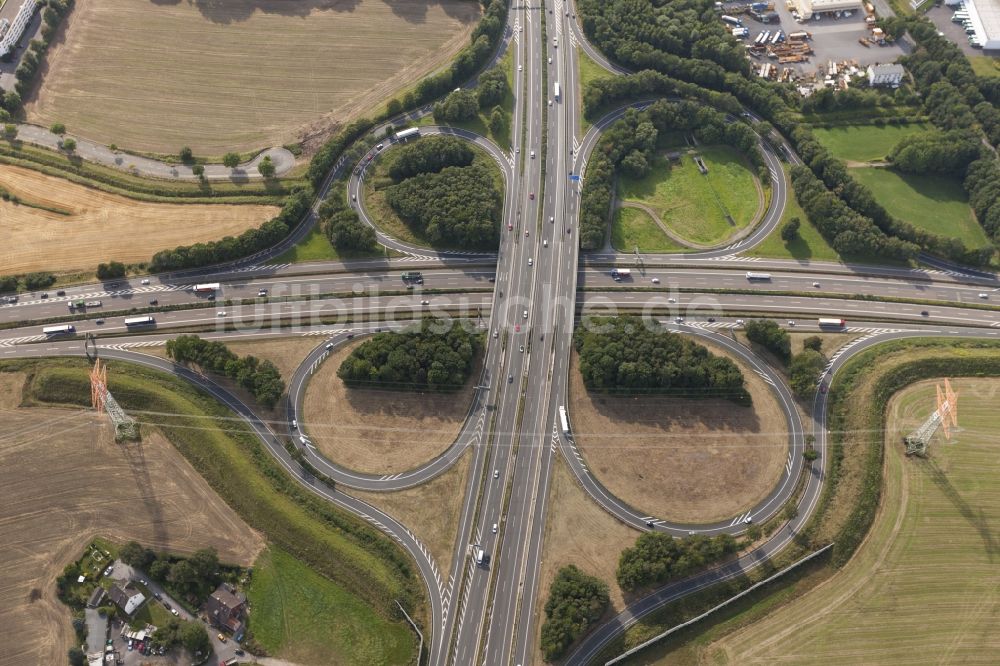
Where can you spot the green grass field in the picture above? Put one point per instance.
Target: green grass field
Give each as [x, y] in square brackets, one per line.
[361, 564]
[632, 227]
[935, 203]
[694, 205]
[307, 619]
[985, 65]
[924, 588]
[864, 143]
[588, 71]
[809, 246]
[316, 247]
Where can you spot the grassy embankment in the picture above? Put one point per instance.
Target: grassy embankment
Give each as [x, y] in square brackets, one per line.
[369, 571]
[850, 500]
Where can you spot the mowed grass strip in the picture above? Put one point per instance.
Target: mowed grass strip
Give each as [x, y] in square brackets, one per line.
[924, 587]
[102, 226]
[241, 74]
[935, 203]
[633, 227]
[307, 619]
[692, 204]
[865, 143]
[354, 557]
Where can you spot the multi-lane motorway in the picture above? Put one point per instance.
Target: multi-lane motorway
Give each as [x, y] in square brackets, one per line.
[526, 299]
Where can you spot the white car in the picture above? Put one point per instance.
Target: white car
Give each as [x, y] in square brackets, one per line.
[545, 243]
[494, 528]
[671, 300]
[552, 220]
[220, 313]
[425, 302]
[816, 284]
[144, 281]
[984, 295]
[740, 322]
[519, 68]
[550, 60]
[530, 261]
[496, 474]
[655, 280]
[495, 334]
[791, 323]
[329, 346]
[550, 102]
[532, 154]
[521, 348]
[678, 320]
[525, 314]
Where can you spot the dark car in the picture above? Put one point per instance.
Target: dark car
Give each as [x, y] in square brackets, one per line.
[61, 292]
[925, 313]
[493, 279]
[211, 297]
[44, 295]
[154, 301]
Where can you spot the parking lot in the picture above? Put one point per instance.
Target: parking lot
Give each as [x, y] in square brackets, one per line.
[941, 17]
[833, 39]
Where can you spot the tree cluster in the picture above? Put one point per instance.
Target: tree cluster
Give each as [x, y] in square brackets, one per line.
[657, 558]
[261, 378]
[576, 601]
[805, 370]
[195, 576]
[492, 87]
[112, 269]
[192, 635]
[982, 182]
[461, 104]
[769, 335]
[427, 359]
[429, 155]
[230, 248]
[828, 100]
[342, 224]
[936, 152]
[624, 355]
[458, 206]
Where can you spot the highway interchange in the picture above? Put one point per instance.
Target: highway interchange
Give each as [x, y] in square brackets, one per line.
[488, 614]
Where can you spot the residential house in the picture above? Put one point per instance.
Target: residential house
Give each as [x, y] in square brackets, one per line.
[126, 597]
[226, 609]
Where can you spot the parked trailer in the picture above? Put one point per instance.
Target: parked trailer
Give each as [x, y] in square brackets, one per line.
[139, 321]
[563, 421]
[731, 20]
[208, 287]
[407, 133]
[759, 39]
[832, 323]
[800, 35]
[739, 33]
[758, 276]
[64, 329]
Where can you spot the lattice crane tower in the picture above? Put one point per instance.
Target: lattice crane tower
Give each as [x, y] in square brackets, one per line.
[944, 417]
[103, 401]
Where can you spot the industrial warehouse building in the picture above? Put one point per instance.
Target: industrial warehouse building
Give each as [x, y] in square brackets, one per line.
[807, 8]
[985, 18]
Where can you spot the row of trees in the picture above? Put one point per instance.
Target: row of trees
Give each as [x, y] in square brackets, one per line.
[230, 248]
[342, 224]
[657, 558]
[625, 355]
[429, 155]
[459, 206]
[53, 12]
[576, 601]
[261, 378]
[426, 359]
[28, 282]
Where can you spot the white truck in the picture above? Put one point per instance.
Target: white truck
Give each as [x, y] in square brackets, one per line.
[619, 274]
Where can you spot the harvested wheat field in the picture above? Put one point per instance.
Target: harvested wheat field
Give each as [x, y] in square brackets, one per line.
[684, 460]
[923, 587]
[101, 226]
[241, 74]
[65, 481]
[380, 432]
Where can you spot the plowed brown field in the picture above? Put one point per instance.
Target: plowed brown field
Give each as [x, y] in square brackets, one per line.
[102, 226]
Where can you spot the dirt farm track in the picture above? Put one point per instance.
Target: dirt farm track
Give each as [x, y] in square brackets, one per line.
[156, 75]
[102, 226]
